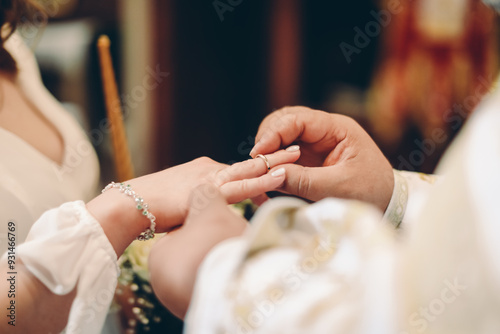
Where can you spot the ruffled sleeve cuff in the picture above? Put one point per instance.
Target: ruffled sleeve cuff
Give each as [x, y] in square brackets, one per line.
[67, 248]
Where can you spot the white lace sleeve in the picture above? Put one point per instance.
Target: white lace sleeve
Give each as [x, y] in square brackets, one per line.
[67, 248]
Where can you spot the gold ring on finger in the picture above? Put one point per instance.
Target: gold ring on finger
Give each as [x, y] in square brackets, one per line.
[263, 157]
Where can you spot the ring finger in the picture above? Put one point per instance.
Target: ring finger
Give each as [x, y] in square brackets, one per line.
[258, 166]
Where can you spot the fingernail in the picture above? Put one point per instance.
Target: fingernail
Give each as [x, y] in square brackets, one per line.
[278, 172]
[293, 148]
[253, 151]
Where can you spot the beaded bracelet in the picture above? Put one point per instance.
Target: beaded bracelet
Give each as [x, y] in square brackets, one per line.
[140, 205]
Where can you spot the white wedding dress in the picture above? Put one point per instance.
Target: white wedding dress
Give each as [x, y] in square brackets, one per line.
[31, 183]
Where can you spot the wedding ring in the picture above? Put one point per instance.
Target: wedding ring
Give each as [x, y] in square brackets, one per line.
[263, 157]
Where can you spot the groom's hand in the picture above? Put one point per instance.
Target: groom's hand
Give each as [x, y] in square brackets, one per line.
[338, 158]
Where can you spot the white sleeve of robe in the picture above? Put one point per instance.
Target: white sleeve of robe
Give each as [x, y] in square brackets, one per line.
[299, 269]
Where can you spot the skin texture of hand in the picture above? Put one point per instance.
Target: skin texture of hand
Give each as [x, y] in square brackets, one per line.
[338, 158]
[174, 260]
[167, 193]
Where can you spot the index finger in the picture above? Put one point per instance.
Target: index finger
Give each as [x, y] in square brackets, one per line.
[296, 124]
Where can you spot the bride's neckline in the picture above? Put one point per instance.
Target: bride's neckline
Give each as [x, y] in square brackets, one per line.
[21, 118]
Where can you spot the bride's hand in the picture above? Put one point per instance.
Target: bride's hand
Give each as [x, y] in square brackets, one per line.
[167, 193]
[174, 259]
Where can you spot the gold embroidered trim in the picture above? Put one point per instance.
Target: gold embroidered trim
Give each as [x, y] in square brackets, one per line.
[397, 206]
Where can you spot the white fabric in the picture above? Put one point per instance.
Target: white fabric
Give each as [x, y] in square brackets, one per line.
[31, 183]
[299, 269]
[397, 205]
[411, 189]
[67, 248]
[450, 266]
[443, 277]
[419, 187]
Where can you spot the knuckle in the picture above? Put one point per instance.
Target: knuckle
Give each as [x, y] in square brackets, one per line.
[285, 110]
[249, 165]
[204, 160]
[222, 176]
[294, 110]
[304, 183]
[242, 167]
[349, 121]
[239, 165]
[245, 186]
[292, 119]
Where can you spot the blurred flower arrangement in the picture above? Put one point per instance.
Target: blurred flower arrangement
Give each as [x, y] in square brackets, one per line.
[141, 311]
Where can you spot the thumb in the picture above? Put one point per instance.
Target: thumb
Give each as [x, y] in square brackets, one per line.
[205, 198]
[312, 183]
[298, 181]
[207, 204]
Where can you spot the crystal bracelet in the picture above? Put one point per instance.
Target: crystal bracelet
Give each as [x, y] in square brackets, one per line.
[140, 205]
